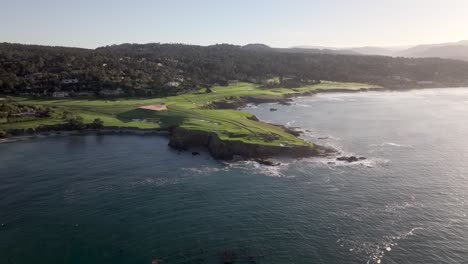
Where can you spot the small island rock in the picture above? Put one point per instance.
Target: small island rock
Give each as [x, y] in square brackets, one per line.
[350, 159]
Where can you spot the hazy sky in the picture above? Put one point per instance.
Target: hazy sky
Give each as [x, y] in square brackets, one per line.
[92, 23]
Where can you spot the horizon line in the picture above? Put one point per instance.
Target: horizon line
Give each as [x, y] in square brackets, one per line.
[305, 46]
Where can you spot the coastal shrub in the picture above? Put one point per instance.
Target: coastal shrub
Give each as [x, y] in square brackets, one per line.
[3, 134]
[76, 123]
[96, 124]
[30, 130]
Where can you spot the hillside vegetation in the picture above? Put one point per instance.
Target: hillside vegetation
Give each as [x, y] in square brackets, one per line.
[159, 70]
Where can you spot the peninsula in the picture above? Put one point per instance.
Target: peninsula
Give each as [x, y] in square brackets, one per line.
[204, 118]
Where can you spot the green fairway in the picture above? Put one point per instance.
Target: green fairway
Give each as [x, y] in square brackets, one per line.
[188, 111]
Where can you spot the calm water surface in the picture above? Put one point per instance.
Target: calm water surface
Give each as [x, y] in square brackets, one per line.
[130, 199]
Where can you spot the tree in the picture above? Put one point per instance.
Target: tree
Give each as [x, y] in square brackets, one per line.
[76, 123]
[208, 90]
[97, 124]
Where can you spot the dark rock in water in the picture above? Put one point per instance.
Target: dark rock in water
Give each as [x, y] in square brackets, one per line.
[348, 159]
[331, 163]
[267, 162]
[321, 138]
[228, 257]
[273, 109]
[362, 158]
[195, 153]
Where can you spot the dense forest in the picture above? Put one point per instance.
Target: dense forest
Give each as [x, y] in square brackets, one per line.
[167, 69]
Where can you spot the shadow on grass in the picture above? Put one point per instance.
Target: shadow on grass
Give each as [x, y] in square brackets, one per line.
[164, 118]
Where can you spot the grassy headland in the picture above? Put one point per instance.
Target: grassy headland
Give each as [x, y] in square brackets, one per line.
[192, 112]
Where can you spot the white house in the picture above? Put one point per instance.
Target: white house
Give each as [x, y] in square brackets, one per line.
[60, 94]
[69, 81]
[107, 92]
[173, 84]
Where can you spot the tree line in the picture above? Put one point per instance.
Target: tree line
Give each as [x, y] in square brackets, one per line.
[169, 69]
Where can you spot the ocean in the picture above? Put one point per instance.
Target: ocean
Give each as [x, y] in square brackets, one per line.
[131, 199]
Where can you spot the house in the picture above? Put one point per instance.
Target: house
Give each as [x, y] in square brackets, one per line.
[107, 92]
[70, 81]
[173, 84]
[60, 94]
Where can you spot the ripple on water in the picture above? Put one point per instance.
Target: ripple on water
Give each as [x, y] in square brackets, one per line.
[376, 250]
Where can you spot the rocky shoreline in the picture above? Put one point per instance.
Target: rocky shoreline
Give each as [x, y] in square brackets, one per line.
[183, 139]
[243, 101]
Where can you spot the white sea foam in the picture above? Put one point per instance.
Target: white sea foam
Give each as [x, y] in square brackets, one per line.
[368, 163]
[291, 123]
[301, 105]
[392, 144]
[204, 170]
[397, 207]
[249, 166]
[156, 181]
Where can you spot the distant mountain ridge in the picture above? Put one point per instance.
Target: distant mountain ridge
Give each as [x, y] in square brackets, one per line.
[305, 49]
[450, 50]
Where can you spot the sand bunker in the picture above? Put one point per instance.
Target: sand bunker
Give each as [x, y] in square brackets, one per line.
[155, 107]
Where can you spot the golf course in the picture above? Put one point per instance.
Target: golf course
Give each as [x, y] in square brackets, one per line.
[198, 111]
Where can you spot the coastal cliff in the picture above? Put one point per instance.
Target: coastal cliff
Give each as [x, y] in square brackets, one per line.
[183, 139]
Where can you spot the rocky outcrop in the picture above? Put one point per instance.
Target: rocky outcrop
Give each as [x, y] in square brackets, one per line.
[295, 131]
[350, 159]
[183, 139]
[267, 162]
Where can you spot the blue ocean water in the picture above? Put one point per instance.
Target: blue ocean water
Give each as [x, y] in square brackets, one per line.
[130, 199]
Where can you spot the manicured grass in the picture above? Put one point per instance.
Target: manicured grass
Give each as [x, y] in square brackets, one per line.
[188, 111]
[31, 124]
